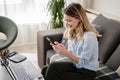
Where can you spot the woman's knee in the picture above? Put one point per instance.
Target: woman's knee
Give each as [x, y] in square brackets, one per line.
[57, 65]
[62, 66]
[53, 65]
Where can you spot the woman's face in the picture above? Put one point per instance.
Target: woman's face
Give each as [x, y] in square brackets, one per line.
[71, 22]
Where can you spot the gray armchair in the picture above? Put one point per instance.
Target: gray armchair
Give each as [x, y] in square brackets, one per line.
[44, 49]
[109, 46]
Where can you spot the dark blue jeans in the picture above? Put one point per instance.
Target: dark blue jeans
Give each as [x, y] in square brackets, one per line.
[66, 71]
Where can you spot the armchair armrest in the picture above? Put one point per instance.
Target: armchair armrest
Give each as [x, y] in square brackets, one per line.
[43, 45]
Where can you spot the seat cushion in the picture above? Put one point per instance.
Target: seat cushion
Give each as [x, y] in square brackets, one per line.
[100, 20]
[114, 60]
[110, 31]
[110, 39]
[50, 53]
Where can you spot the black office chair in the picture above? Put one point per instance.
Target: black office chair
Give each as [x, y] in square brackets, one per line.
[10, 30]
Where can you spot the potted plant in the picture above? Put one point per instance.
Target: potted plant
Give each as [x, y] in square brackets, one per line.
[55, 8]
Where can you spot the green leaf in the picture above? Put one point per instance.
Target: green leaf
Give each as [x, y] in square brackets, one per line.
[55, 8]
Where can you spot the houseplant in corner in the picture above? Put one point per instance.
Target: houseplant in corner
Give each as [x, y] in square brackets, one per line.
[55, 8]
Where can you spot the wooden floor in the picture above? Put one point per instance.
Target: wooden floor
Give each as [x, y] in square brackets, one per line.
[25, 49]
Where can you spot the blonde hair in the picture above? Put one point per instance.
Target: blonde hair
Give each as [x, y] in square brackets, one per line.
[77, 11]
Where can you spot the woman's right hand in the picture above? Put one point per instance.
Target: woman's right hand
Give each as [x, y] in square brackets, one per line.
[53, 45]
[60, 48]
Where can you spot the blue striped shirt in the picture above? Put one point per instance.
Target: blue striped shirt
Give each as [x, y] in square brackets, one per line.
[86, 50]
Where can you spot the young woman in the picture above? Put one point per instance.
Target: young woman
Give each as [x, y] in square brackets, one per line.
[82, 48]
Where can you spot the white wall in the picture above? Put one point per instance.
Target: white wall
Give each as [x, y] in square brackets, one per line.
[107, 7]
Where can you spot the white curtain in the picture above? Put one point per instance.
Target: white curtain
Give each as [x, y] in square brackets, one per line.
[29, 15]
[82, 2]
